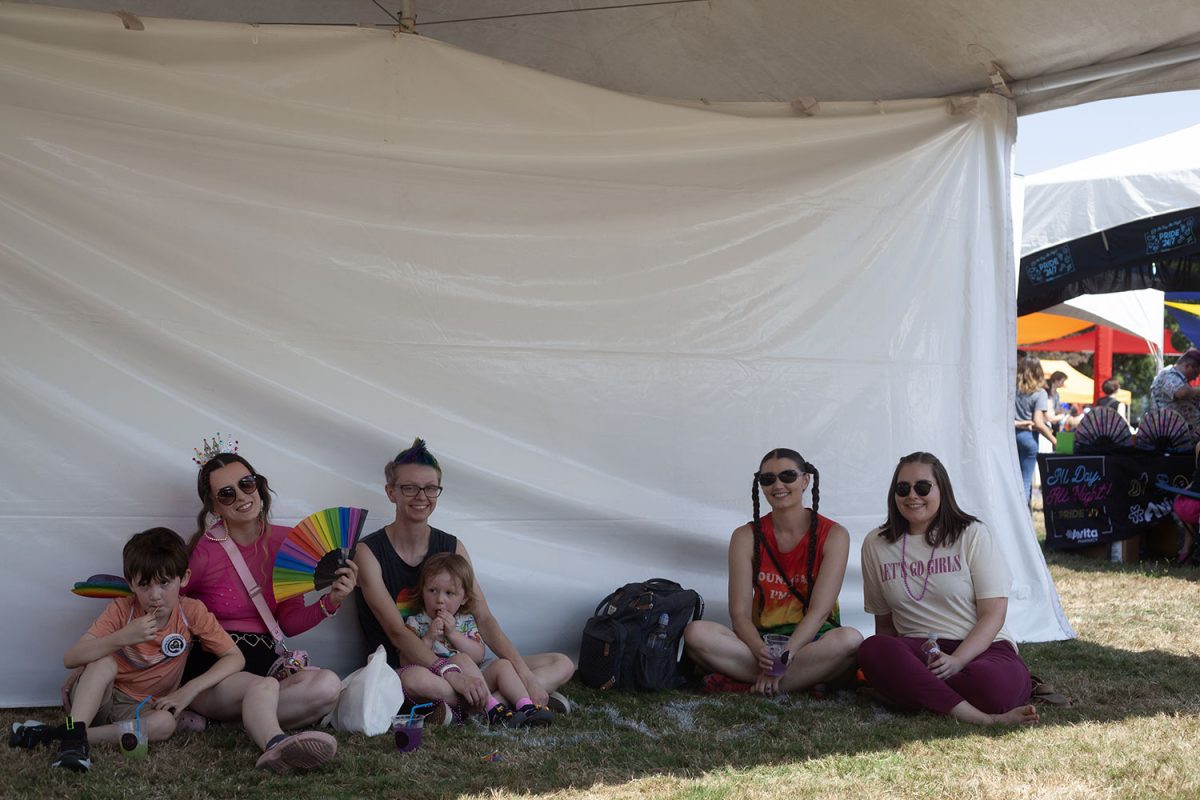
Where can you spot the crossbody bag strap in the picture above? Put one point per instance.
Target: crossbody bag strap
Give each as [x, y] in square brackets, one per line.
[256, 596]
[783, 574]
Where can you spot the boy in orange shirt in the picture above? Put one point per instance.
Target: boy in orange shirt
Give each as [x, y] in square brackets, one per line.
[135, 650]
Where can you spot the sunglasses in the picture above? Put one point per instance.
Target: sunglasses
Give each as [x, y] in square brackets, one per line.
[226, 495]
[768, 478]
[922, 488]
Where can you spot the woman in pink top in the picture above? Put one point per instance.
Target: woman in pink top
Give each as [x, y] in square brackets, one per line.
[240, 500]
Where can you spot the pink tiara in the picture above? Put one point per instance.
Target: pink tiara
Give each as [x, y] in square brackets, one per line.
[214, 448]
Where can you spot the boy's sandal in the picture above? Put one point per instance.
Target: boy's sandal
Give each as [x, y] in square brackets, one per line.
[536, 716]
[1042, 692]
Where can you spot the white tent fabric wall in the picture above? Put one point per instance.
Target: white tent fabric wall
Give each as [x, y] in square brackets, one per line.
[599, 310]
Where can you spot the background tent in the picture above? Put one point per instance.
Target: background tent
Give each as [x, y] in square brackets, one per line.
[599, 310]
[1122, 220]
[1079, 387]
[1045, 53]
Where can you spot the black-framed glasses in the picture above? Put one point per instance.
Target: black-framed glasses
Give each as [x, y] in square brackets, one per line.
[411, 489]
[922, 488]
[226, 496]
[768, 478]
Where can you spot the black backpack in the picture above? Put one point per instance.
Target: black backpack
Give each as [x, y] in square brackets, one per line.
[628, 644]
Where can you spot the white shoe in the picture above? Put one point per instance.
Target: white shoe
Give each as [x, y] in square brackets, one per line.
[559, 704]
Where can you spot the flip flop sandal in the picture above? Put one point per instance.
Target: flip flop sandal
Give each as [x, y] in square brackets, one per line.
[1043, 692]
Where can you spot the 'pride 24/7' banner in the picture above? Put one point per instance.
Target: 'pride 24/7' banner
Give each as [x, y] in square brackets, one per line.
[1096, 499]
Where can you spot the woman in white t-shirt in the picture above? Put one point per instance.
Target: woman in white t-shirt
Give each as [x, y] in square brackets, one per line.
[932, 571]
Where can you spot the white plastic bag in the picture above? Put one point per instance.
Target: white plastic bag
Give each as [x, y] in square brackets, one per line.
[370, 697]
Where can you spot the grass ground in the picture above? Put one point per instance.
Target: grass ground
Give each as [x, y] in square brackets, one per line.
[1132, 733]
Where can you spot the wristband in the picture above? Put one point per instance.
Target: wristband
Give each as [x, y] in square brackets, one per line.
[448, 668]
[325, 608]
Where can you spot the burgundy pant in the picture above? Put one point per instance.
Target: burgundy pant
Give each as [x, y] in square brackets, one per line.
[995, 681]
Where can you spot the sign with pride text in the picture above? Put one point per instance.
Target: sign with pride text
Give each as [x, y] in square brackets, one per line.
[1096, 499]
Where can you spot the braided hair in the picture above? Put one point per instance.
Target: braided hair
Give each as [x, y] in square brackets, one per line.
[805, 468]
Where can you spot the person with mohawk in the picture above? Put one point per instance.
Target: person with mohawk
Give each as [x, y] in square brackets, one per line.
[389, 564]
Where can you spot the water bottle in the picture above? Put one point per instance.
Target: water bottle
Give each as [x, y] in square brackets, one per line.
[930, 648]
[657, 639]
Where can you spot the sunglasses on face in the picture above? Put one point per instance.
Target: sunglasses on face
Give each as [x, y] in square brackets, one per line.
[922, 488]
[787, 476]
[411, 489]
[226, 495]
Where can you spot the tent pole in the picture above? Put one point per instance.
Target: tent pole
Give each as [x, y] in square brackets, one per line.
[408, 16]
[1164, 58]
[1102, 360]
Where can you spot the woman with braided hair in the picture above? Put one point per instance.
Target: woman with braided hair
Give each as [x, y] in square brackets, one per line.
[785, 572]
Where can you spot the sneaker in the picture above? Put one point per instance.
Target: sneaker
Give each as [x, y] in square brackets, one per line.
[536, 716]
[442, 714]
[716, 682]
[73, 754]
[30, 734]
[501, 714]
[300, 752]
[559, 703]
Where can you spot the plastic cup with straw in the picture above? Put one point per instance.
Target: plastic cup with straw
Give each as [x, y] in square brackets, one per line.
[407, 731]
[133, 741]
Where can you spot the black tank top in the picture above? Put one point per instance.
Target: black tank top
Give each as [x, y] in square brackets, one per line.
[400, 580]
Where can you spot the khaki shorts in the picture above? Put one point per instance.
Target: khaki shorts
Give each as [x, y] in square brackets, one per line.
[114, 708]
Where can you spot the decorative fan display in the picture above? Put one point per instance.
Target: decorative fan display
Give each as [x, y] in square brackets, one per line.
[103, 586]
[1101, 429]
[1163, 429]
[315, 549]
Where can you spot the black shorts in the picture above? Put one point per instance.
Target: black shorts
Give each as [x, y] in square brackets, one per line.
[258, 648]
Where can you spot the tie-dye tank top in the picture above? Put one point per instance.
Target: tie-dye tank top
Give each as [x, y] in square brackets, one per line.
[781, 610]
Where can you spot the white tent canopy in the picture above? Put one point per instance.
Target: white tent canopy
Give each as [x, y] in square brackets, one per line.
[1048, 53]
[1138, 312]
[599, 310]
[1103, 192]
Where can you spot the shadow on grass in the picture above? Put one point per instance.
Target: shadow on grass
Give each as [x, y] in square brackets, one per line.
[612, 738]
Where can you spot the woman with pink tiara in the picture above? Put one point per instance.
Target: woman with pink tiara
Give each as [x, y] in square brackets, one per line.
[785, 572]
[233, 524]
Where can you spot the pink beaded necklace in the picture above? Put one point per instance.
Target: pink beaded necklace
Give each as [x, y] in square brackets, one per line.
[904, 569]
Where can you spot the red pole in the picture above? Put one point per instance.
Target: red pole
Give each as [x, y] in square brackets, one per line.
[1102, 363]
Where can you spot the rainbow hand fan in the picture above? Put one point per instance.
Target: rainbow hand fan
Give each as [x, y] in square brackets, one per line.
[103, 586]
[314, 550]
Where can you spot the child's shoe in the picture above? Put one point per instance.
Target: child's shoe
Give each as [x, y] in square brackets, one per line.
[300, 752]
[73, 751]
[191, 722]
[559, 703]
[501, 714]
[30, 734]
[536, 716]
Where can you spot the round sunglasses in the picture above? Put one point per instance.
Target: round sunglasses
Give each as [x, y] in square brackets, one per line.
[226, 495]
[922, 488]
[768, 478]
